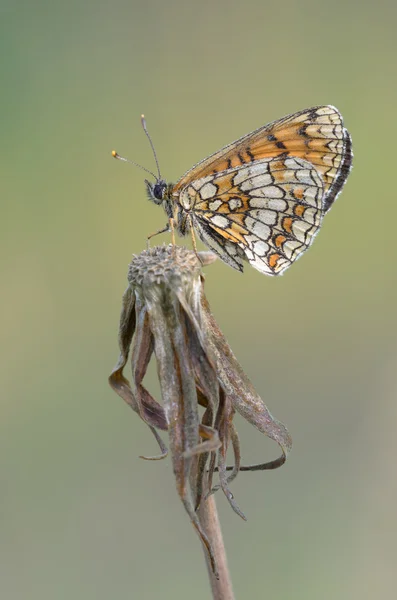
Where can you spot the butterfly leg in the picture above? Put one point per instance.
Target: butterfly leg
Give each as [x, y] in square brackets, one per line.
[164, 230]
[171, 224]
[189, 218]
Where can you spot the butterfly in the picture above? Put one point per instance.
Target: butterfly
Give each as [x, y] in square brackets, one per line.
[262, 198]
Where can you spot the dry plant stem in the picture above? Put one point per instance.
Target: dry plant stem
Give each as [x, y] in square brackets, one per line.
[209, 520]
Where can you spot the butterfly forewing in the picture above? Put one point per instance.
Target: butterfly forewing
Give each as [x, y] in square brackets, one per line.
[263, 197]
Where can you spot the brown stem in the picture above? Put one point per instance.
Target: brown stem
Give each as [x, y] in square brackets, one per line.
[209, 520]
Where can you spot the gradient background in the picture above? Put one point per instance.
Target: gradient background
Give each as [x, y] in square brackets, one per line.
[80, 515]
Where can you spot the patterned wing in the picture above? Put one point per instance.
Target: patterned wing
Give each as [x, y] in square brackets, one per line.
[316, 135]
[267, 212]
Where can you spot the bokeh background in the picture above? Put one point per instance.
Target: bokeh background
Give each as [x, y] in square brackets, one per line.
[81, 516]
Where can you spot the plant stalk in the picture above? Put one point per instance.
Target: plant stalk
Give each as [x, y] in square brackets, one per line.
[209, 520]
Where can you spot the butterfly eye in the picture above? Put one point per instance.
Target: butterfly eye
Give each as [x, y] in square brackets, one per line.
[158, 190]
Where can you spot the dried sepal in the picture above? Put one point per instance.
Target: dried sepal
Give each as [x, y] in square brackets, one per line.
[245, 399]
[165, 313]
[146, 406]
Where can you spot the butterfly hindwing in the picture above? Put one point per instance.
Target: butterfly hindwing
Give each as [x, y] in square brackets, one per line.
[269, 211]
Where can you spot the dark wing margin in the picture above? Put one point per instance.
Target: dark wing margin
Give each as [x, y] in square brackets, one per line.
[345, 168]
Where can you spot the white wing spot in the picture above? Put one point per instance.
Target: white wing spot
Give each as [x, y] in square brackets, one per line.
[304, 176]
[322, 131]
[291, 247]
[249, 254]
[198, 183]
[277, 204]
[328, 159]
[326, 110]
[335, 146]
[311, 215]
[241, 175]
[300, 230]
[269, 191]
[260, 229]
[208, 190]
[256, 182]
[214, 205]
[292, 163]
[312, 197]
[269, 217]
[260, 264]
[245, 173]
[235, 203]
[324, 120]
[220, 221]
[260, 248]
[258, 202]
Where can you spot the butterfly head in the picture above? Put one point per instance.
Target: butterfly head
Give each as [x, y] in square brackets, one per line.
[159, 191]
[156, 192]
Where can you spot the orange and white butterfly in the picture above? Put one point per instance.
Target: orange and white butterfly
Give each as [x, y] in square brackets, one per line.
[263, 197]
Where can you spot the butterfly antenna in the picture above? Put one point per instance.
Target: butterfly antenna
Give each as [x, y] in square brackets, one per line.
[143, 121]
[116, 155]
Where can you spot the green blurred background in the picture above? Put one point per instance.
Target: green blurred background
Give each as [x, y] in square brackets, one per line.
[81, 516]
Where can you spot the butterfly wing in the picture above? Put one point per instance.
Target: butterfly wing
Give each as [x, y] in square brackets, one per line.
[267, 212]
[316, 135]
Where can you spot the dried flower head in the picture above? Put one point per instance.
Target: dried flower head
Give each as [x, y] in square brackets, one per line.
[165, 312]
